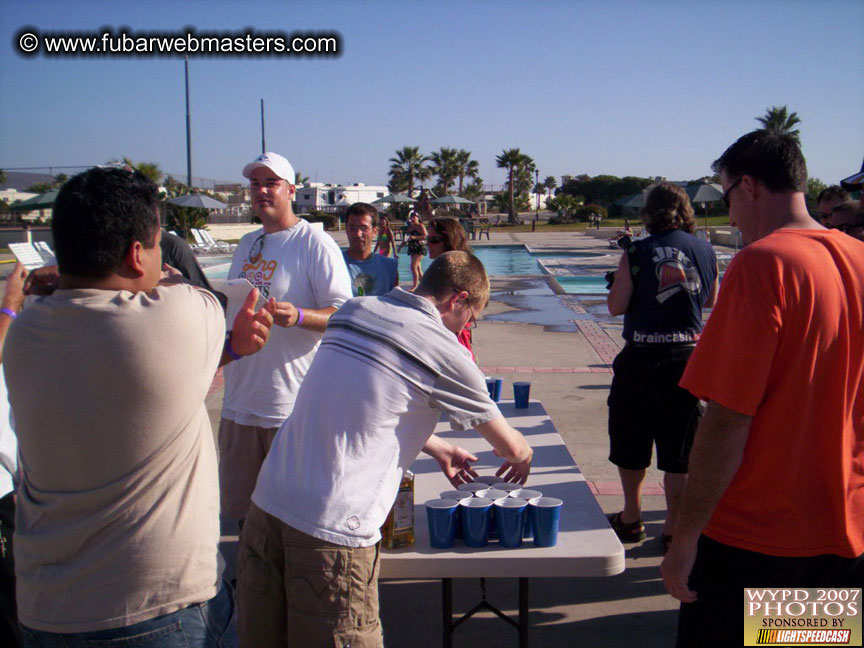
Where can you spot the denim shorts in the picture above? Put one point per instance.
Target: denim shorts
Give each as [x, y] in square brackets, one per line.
[203, 625]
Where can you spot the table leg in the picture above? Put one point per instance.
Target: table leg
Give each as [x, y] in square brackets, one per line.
[523, 612]
[447, 600]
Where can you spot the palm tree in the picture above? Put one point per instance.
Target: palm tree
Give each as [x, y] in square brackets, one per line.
[409, 165]
[2, 177]
[467, 168]
[550, 183]
[445, 165]
[510, 159]
[780, 120]
[149, 169]
[300, 179]
[60, 179]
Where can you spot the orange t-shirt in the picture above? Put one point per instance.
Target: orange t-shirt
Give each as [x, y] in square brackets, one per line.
[785, 344]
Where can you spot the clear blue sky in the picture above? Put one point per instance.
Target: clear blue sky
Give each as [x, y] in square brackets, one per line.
[645, 88]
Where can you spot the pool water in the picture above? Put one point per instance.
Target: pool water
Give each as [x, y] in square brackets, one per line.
[584, 285]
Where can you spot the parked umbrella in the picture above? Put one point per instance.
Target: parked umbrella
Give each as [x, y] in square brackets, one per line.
[704, 192]
[451, 200]
[197, 201]
[42, 201]
[393, 199]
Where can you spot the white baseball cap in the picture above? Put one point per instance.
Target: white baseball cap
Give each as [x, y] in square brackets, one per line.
[273, 161]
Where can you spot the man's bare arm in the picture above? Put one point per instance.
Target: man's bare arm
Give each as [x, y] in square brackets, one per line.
[509, 444]
[714, 460]
[286, 315]
[455, 462]
[622, 289]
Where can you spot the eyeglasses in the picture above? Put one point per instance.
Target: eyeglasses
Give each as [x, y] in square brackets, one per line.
[725, 196]
[472, 323]
[257, 248]
[435, 239]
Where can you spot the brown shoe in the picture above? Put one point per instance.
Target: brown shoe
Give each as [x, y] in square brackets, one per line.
[629, 532]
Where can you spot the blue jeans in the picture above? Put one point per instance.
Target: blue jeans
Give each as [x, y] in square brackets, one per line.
[203, 625]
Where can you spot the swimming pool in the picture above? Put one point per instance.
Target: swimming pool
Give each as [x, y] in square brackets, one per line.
[506, 260]
[583, 285]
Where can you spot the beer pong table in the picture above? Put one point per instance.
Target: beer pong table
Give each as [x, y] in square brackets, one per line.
[587, 546]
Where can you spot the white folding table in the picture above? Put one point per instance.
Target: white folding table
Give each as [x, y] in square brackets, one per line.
[587, 546]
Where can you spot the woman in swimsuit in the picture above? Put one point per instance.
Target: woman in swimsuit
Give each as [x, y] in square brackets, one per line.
[386, 242]
[416, 237]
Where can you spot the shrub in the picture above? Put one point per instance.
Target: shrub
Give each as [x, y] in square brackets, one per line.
[583, 212]
[327, 218]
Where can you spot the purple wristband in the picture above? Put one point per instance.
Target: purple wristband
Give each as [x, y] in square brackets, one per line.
[11, 313]
[299, 317]
[228, 349]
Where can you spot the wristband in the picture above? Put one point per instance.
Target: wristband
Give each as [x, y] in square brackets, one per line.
[299, 317]
[228, 349]
[8, 311]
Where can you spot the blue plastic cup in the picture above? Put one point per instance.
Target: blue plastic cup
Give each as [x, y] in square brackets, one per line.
[521, 394]
[527, 494]
[458, 496]
[546, 516]
[487, 479]
[492, 494]
[441, 515]
[494, 384]
[507, 486]
[475, 521]
[472, 488]
[510, 518]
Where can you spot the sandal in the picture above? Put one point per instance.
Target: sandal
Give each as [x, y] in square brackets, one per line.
[630, 532]
[665, 541]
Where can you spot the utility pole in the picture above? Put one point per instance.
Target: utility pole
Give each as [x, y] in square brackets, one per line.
[263, 144]
[188, 130]
[537, 189]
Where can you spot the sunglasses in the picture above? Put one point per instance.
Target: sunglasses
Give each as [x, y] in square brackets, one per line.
[435, 239]
[257, 248]
[725, 196]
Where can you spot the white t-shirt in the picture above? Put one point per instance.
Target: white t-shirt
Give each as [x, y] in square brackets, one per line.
[300, 265]
[8, 443]
[386, 369]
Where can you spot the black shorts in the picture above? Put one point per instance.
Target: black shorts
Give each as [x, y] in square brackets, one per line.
[646, 406]
[721, 573]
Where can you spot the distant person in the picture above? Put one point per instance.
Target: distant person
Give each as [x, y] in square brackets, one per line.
[371, 274]
[10, 636]
[300, 270]
[415, 239]
[118, 506]
[309, 555]
[386, 243]
[855, 182]
[848, 217]
[775, 496]
[662, 284]
[827, 200]
[177, 254]
[445, 235]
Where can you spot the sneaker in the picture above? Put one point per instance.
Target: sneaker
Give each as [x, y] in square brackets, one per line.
[632, 532]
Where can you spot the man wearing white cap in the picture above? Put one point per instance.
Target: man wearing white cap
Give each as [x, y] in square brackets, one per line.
[301, 271]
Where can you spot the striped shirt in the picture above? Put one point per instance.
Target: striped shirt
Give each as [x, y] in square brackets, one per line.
[386, 368]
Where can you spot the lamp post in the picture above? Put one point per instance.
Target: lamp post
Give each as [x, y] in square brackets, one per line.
[537, 189]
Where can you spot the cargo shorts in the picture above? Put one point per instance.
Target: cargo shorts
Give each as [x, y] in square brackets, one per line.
[296, 590]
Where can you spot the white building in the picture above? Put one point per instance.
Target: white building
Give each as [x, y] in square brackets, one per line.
[327, 197]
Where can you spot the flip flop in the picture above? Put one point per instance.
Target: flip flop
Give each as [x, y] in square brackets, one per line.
[627, 532]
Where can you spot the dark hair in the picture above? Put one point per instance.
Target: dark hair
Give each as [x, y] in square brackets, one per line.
[451, 231]
[98, 215]
[363, 209]
[668, 207]
[834, 192]
[852, 208]
[772, 158]
[456, 270]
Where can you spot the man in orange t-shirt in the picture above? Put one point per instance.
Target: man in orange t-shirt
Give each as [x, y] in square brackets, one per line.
[775, 496]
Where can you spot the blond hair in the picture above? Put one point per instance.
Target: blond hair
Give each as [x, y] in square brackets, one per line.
[456, 270]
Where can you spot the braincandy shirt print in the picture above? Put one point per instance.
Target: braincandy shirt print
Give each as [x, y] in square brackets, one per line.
[260, 274]
[675, 272]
